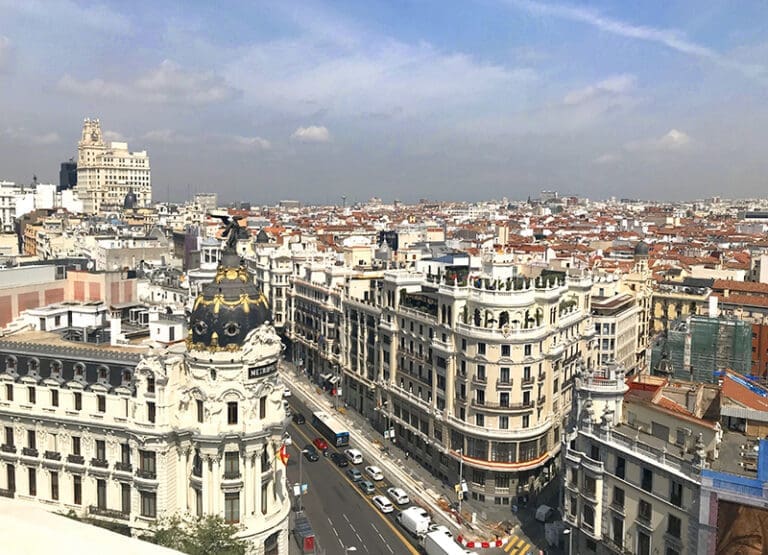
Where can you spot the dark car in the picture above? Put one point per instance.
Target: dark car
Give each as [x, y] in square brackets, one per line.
[298, 418]
[339, 459]
[311, 453]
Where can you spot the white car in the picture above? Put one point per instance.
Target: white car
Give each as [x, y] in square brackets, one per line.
[375, 473]
[286, 392]
[383, 504]
[354, 456]
[398, 496]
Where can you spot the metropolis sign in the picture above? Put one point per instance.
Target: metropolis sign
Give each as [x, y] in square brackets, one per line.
[259, 371]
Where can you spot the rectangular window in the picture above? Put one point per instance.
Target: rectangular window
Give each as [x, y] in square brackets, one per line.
[232, 412]
[618, 498]
[643, 543]
[78, 401]
[9, 435]
[125, 498]
[264, 501]
[101, 450]
[32, 481]
[481, 348]
[147, 462]
[31, 439]
[263, 407]
[77, 486]
[480, 419]
[674, 526]
[232, 507]
[621, 467]
[644, 511]
[75, 445]
[526, 420]
[589, 516]
[676, 493]
[503, 422]
[200, 411]
[54, 397]
[231, 464]
[149, 504]
[504, 374]
[199, 502]
[9, 391]
[151, 383]
[125, 453]
[32, 394]
[101, 494]
[647, 480]
[55, 486]
[527, 350]
[151, 411]
[505, 350]
[102, 403]
[463, 344]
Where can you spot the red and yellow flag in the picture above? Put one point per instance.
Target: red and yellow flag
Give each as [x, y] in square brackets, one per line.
[284, 455]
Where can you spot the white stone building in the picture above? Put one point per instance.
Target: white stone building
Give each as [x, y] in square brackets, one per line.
[106, 173]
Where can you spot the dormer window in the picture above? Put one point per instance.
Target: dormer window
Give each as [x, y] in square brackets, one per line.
[103, 373]
[56, 367]
[10, 363]
[33, 365]
[79, 370]
[150, 384]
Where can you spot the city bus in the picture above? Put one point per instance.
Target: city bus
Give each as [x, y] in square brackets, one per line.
[331, 429]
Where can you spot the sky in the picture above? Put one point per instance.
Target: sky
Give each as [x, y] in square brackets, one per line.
[263, 101]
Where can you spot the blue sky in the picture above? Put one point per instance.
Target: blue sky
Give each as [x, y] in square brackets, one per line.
[409, 99]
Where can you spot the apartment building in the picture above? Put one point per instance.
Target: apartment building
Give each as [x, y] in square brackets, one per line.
[129, 435]
[616, 317]
[473, 374]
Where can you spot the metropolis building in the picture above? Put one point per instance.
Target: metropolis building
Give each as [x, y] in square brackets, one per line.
[194, 429]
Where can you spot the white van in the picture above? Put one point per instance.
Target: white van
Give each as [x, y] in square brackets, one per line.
[354, 456]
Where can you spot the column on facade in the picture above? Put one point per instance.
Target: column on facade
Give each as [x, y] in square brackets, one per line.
[182, 478]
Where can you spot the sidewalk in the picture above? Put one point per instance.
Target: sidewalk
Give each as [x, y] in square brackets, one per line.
[438, 496]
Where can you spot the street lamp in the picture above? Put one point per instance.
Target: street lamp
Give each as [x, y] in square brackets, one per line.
[460, 452]
[568, 532]
[301, 456]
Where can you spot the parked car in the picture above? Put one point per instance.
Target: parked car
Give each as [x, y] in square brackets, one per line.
[383, 504]
[286, 392]
[320, 443]
[398, 496]
[310, 453]
[374, 472]
[354, 474]
[354, 456]
[298, 418]
[367, 486]
[339, 460]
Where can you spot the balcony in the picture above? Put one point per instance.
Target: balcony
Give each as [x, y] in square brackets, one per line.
[504, 384]
[618, 507]
[589, 494]
[525, 405]
[30, 452]
[479, 380]
[461, 377]
[644, 519]
[52, 455]
[541, 400]
[146, 474]
[6, 448]
[76, 459]
[542, 377]
[123, 467]
[527, 381]
[108, 513]
[462, 400]
[100, 463]
[487, 405]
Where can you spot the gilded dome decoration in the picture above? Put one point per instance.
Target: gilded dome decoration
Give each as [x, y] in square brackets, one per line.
[230, 306]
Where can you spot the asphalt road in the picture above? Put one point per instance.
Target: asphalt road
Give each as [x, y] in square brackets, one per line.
[341, 515]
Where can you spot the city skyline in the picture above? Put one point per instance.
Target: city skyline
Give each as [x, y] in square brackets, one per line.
[317, 100]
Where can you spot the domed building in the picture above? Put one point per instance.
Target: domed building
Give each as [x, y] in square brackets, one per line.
[193, 428]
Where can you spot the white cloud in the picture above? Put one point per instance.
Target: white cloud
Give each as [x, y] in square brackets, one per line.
[167, 136]
[24, 136]
[166, 83]
[670, 141]
[110, 135]
[251, 143]
[311, 134]
[606, 159]
[673, 39]
[69, 14]
[611, 87]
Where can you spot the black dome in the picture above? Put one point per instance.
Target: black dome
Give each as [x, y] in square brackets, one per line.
[227, 308]
[641, 249]
[130, 200]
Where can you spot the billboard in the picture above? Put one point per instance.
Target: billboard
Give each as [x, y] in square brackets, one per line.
[741, 529]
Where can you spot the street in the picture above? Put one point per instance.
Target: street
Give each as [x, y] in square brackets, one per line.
[340, 514]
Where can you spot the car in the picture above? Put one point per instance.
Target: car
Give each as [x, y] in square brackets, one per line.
[354, 456]
[298, 418]
[310, 453]
[398, 496]
[354, 474]
[383, 504]
[339, 460]
[367, 486]
[286, 392]
[320, 443]
[374, 472]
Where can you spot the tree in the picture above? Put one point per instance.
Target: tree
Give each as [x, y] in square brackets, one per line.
[209, 535]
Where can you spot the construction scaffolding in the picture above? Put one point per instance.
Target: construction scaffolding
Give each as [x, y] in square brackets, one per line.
[698, 346]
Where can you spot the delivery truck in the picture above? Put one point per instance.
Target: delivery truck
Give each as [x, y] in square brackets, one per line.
[439, 541]
[415, 520]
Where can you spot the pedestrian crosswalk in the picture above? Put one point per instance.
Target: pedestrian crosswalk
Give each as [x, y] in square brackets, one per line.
[517, 546]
